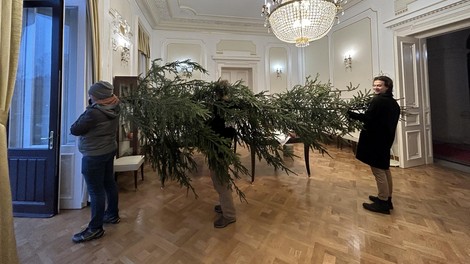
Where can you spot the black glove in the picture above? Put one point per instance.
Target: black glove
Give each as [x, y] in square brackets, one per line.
[349, 112]
[352, 115]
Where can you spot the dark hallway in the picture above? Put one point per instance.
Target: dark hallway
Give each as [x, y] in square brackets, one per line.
[458, 153]
[449, 92]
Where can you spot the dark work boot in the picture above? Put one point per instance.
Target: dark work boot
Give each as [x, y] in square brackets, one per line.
[222, 222]
[375, 198]
[111, 219]
[87, 234]
[378, 207]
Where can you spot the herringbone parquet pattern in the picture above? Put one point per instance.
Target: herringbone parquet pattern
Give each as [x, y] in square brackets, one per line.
[287, 219]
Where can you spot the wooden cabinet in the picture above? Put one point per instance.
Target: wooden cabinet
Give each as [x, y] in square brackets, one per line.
[127, 135]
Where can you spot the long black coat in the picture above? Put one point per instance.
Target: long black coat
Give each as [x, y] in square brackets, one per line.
[378, 133]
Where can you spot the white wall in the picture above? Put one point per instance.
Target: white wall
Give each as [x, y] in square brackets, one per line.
[317, 60]
[111, 64]
[353, 40]
[278, 67]
[362, 34]
[234, 54]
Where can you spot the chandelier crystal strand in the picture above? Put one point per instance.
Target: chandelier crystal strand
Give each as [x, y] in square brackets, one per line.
[300, 21]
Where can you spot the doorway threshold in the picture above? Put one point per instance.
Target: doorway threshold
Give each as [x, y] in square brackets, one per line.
[452, 165]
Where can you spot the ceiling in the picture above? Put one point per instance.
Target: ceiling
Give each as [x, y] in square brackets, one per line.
[240, 16]
[235, 16]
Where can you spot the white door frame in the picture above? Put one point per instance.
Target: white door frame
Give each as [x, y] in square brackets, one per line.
[72, 192]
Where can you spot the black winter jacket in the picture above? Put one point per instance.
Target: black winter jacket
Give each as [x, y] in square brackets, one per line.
[97, 128]
[378, 133]
[217, 124]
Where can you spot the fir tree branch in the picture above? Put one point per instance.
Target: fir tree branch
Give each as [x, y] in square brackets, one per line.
[172, 115]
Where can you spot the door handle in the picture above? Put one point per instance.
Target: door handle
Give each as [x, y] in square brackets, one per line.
[50, 139]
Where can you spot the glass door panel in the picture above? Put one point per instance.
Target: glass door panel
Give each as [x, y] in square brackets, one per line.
[29, 112]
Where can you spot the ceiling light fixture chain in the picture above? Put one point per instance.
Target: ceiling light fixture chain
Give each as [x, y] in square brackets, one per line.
[301, 21]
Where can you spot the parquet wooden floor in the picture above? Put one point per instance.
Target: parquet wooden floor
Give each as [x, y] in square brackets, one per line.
[288, 219]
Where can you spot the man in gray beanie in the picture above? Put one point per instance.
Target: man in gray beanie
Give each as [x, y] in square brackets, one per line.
[101, 90]
[96, 129]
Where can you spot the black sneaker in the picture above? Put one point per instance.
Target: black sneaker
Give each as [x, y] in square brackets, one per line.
[223, 222]
[218, 209]
[378, 207]
[111, 219]
[375, 199]
[87, 234]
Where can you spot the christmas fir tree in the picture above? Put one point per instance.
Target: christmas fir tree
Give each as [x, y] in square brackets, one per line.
[172, 114]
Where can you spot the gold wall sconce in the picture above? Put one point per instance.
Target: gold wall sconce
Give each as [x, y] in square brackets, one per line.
[348, 62]
[121, 35]
[278, 72]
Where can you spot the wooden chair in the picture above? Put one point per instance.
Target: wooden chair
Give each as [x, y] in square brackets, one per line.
[130, 163]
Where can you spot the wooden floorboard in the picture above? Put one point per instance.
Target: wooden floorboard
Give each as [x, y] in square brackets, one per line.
[286, 219]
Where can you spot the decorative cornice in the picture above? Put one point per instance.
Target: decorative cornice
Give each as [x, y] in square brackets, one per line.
[213, 26]
[443, 9]
[235, 58]
[401, 6]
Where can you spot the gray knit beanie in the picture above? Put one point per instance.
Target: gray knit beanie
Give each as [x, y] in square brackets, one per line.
[101, 90]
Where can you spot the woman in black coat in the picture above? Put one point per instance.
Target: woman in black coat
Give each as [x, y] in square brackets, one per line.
[375, 140]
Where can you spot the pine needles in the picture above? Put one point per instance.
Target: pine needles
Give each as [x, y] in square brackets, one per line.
[172, 114]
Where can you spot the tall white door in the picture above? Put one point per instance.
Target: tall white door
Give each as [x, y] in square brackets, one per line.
[235, 74]
[412, 129]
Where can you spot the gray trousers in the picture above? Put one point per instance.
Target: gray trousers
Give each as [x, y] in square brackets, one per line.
[225, 197]
[384, 182]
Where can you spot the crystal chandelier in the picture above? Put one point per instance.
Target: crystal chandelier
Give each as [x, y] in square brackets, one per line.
[300, 21]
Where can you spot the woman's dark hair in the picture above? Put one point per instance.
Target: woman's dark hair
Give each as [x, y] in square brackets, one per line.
[387, 82]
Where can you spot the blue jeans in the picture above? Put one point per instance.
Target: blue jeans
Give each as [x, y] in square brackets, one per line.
[98, 172]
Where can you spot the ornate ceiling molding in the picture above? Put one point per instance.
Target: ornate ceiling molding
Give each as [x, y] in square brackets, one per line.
[172, 15]
[149, 8]
[401, 6]
[452, 13]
